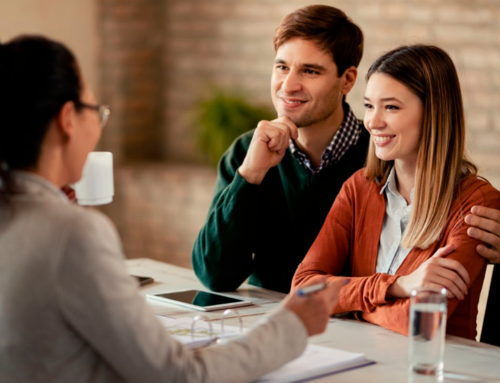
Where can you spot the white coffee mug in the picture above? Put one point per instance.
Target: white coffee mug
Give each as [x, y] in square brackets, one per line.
[96, 186]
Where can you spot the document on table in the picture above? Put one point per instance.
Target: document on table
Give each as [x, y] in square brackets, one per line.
[180, 329]
[316, 361]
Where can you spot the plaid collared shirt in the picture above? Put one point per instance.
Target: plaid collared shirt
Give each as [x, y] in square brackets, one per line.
[347, 135]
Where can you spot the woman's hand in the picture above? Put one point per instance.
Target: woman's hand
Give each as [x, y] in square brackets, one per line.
[314, 310]
[434, 274]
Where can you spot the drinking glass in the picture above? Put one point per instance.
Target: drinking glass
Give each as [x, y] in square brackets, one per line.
[427, 331]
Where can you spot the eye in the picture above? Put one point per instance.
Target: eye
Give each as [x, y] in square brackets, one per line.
[281, 68]
[311, 71]
[391, 107]
[368, 106]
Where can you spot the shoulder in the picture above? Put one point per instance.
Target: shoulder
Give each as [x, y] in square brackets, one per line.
[79, 228]
[60, 216]
[91, 228]
[474, 190]
[359, 183]
[360, 191]
[91, 220]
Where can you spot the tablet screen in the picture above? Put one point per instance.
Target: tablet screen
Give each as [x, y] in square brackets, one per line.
[199, 298]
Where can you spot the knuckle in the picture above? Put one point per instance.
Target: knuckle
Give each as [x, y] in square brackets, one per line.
[496, 215]
[262, 124]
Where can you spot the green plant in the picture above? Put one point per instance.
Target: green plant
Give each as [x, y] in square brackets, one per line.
[222, 118]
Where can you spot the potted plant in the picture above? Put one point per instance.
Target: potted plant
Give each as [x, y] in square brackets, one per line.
[223, 117]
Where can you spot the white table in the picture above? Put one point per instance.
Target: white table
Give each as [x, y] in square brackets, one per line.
[469, 360]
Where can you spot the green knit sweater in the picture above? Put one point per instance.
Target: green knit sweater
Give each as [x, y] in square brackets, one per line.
[264, 231]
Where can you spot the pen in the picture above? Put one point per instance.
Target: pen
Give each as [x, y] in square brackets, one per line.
[305, 291]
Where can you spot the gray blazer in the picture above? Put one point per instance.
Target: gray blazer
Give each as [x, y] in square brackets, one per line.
[70, 313]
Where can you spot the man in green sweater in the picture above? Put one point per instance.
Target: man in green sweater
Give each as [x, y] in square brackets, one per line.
[277, 183]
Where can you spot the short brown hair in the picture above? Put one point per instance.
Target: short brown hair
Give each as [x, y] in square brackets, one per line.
[328, 27]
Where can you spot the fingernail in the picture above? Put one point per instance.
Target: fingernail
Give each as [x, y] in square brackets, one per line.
[472, 231]
[468, 219]
[346, 281]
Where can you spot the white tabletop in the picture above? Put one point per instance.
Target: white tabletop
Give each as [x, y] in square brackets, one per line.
[468, 360]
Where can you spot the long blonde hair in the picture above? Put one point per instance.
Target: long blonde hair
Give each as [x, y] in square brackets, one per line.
[429, 72]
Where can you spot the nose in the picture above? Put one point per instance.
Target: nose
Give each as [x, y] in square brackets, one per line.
[374, 119]
[291, 83]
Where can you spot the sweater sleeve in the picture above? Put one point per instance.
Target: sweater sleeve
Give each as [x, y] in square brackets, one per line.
[100, 302]
[330, 253]
[223, 251]
[395, 314]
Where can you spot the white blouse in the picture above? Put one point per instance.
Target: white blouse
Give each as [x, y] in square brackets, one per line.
[397, 214]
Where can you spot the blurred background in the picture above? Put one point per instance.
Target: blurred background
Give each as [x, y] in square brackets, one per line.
[183, 77]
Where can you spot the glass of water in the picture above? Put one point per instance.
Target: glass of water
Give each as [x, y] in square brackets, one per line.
[427, 331]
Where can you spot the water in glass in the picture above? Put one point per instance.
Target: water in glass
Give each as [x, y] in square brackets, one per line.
[427, 332]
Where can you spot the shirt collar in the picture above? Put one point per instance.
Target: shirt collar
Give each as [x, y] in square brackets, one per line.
[30, 183]
[390, 180]
[346, 136]
[390, 185]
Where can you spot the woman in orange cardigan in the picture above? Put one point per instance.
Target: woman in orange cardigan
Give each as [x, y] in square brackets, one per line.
[398, 224]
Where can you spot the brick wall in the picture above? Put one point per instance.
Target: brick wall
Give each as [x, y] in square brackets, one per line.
[131, 77]
[229, 42]
[159, 56]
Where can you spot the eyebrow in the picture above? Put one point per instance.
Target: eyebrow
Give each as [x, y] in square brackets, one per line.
[306, 65]
[386, 99]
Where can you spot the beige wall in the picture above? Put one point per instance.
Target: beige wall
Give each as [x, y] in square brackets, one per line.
[73, 22]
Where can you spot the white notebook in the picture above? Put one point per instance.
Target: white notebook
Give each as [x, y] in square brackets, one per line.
[316, 361]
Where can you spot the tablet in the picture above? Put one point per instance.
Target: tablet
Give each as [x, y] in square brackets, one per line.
[200, 300]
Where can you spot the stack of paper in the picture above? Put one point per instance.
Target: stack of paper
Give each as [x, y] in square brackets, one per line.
[316, 361]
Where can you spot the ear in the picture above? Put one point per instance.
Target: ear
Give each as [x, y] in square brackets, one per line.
[66, 120]
[349, 76]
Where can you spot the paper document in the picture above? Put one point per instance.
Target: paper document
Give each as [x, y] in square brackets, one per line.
[316, 361]
[180, 329]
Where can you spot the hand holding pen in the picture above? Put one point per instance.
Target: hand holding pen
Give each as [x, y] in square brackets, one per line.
[315, 305]
[307, 290]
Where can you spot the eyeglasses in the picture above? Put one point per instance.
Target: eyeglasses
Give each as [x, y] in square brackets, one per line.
[103, 110]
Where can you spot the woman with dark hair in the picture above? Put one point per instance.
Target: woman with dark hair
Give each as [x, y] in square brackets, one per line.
[68, 310]
[399, 222]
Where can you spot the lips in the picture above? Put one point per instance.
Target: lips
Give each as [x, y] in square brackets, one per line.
[292, 103]
[288, 101]
[382, 140]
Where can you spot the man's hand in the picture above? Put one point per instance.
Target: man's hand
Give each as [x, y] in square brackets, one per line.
[314, 310]
[486, 222]
[267, 149]
[434, 274]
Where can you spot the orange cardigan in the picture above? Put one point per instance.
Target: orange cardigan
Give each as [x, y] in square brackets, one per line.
[348, 243]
